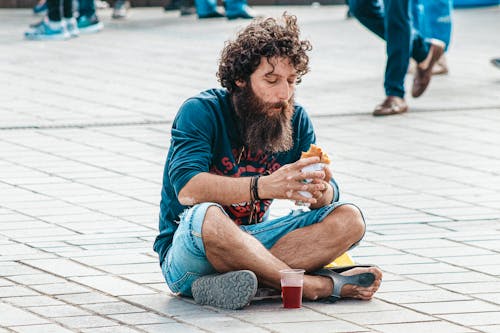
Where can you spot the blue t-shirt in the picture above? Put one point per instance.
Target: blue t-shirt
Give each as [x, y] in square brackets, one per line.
[205, 138]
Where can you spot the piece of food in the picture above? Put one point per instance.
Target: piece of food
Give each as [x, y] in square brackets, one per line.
[316, 151]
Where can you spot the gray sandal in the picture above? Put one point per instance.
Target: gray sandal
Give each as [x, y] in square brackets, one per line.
[363, 280]
[232, 290]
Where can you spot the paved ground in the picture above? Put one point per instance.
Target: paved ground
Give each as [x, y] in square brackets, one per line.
[84, 131]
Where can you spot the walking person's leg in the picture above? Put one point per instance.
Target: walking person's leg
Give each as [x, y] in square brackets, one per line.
[369, 13]
[398, 36]
[51, 27]
[207, 9]
[88, 22]
[68, 19]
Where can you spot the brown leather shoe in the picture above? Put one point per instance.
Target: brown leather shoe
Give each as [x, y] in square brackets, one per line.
[391, 105]
[424, 68]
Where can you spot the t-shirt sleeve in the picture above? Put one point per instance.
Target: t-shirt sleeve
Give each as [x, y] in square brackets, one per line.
[305, 131]
[306, 137]
[192, 139]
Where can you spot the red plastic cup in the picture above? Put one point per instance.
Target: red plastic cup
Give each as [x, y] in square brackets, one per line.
[292, 282]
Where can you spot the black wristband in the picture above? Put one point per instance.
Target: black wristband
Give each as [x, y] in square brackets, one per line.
[251, 189]
[255, 187]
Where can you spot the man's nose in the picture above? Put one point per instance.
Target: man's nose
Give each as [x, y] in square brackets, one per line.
[284, 91]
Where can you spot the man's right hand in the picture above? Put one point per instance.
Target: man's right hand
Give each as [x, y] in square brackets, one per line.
[287, 181]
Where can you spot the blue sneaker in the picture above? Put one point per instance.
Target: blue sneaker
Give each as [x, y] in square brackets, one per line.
[89, 24]
[72, 27]
[40, 8]
[244, 12]
[47, 30]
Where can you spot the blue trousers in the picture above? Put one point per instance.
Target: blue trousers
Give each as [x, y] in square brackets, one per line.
[433, 19]
[233, 7]
[86, 7]
[391, 20]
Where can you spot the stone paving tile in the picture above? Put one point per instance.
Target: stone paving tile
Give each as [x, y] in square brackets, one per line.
[490, 297]
[12, 268]
[113, 285]
[458, 277]
[58, 311]
[221, 323]
[432, 326]
[140, 318]
[436, 295]
[25, 301]
[110, 329]
[126, 269]
[48, 328]
[458, 251]
[11, 291]
[352, 306]
[79, 322]
[454, 307]
[60, 288]
[145, 278]
[407, 285]
[320, 326]
[176, 328]
[474, 319]
[423, 269]
[488, 269]
[488, 329]
[473, 260]
[113, 260]
[86, 298]
[112, 308]
[279, 315]
[474, 287]
[33, 279]
[170, 306]
[386, 317]
[62, 267]
[13, 316]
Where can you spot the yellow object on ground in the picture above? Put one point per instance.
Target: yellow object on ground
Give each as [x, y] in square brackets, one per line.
[343, 260]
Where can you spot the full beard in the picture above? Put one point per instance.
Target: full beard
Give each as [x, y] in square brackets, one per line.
[263, 126]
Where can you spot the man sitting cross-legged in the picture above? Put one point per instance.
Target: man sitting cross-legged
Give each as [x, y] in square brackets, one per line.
[232, 152]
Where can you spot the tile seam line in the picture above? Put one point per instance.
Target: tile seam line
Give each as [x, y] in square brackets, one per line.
[160, 122]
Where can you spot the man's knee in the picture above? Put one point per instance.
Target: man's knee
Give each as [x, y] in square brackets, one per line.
[217, 229]
[350, 222]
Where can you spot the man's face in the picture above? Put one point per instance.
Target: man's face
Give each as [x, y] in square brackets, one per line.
[265, 106]
[274, 81]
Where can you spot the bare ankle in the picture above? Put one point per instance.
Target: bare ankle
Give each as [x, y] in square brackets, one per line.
[316, 287]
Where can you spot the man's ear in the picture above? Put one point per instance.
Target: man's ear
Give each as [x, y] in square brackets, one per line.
[241, 83]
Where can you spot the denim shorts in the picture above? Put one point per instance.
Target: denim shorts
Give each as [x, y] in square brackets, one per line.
[186, 259]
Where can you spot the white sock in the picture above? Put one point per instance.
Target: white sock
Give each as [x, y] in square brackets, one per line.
[54, 25]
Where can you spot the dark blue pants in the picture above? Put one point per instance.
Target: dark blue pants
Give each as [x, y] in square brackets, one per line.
[86, 8]
[233, 7]
[391, 21]
[54, 9]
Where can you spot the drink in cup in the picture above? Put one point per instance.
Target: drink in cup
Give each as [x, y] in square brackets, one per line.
[292, 281]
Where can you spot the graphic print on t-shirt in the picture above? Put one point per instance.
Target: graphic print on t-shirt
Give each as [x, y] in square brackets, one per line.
[244, 163]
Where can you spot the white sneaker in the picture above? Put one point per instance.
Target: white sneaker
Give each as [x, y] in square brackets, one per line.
[72, 27]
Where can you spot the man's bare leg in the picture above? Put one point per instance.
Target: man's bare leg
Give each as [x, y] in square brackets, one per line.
[317, 245]
[228, 249]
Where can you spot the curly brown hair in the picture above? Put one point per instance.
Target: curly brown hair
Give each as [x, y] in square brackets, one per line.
[266, 37]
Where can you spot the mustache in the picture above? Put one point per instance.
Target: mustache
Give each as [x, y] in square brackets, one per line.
[280, 104]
